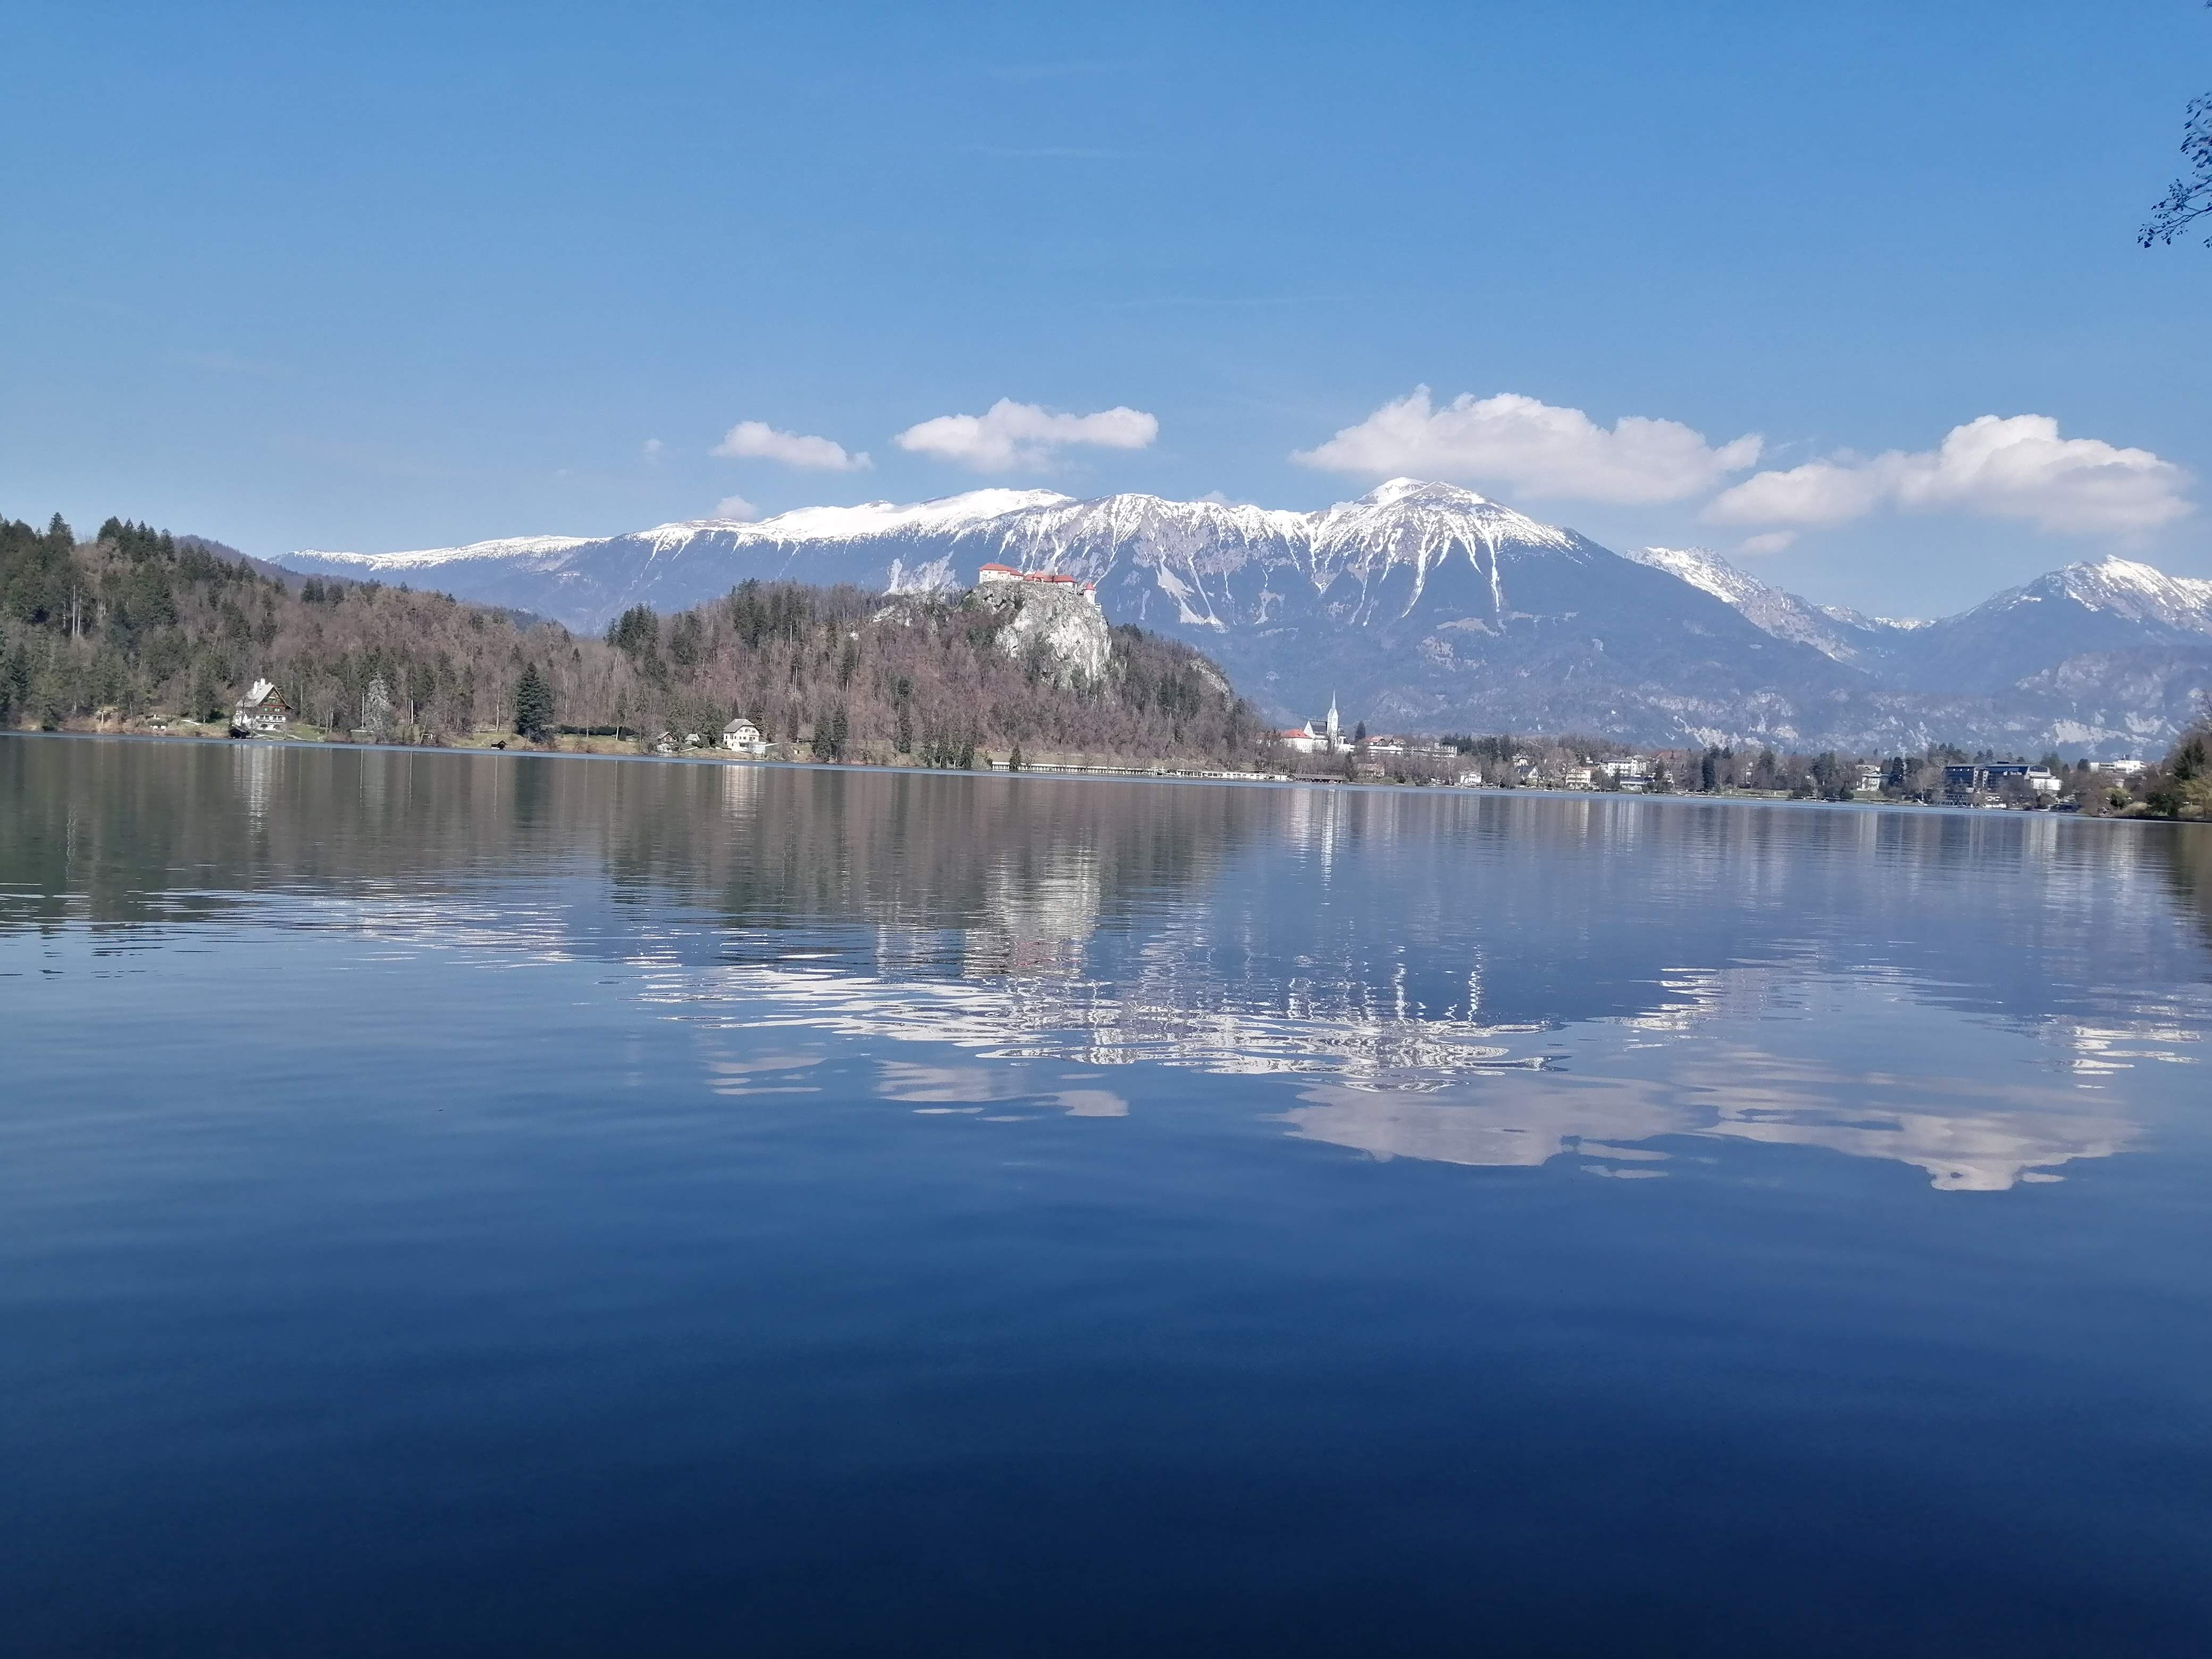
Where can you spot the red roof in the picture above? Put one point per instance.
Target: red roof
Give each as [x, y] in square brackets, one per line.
[1008, 569]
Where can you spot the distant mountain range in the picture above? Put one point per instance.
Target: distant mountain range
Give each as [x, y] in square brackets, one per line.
[1426, 606]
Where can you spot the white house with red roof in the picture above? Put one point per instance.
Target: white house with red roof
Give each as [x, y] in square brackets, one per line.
[1305, 740]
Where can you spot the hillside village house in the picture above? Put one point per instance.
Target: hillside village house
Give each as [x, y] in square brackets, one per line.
[742, 737]
[262, 710]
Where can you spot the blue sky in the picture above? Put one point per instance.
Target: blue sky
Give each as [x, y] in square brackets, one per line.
[389, 276]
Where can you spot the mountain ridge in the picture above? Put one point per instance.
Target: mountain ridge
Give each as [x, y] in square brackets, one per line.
[1433, 605]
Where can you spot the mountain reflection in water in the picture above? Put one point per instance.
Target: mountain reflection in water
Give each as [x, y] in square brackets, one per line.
[1479, 980]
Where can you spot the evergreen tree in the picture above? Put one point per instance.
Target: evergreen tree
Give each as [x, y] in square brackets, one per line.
[636, 632]
[534, 704]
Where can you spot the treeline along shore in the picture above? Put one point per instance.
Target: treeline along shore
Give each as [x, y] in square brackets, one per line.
[139, 630]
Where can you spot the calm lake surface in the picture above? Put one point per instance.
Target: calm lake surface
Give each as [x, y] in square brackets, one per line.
[473, 1205]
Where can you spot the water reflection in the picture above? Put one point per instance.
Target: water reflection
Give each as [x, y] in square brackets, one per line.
[1481, 981]
[1968, 1138]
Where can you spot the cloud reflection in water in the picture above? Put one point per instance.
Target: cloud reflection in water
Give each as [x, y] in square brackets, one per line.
[1475, 981]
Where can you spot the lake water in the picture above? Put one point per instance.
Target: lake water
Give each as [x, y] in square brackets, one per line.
[474, 1205]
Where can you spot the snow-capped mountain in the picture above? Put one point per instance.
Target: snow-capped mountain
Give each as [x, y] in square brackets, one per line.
[1426, 606]
[1835, 632]
[2138, 592]
[2114, 605]
[2111, 655]
[586, 581]
[1424, 603]
[1200, 557]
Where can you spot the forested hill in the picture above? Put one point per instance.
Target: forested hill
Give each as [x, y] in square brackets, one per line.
[137, 626]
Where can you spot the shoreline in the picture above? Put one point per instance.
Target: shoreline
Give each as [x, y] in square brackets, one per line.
[1100, 774]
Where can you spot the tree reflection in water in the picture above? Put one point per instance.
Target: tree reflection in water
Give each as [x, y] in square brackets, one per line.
[1480, 980]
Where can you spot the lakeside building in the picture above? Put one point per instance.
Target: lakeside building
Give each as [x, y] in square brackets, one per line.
[262, 710]
[1305, 740]
[742, 737]
[1978, 783]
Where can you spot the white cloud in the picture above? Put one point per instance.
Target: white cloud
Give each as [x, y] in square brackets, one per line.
[1816, 493]
[1535, 447]
[759, 441]
[1012, 437]
[1772, 542]
[652, 449]
[736, 506]
[1998, 466]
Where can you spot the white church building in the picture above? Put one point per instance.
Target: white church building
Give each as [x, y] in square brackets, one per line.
[1305, 740]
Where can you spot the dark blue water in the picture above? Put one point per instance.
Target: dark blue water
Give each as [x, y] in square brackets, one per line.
[459, 1205]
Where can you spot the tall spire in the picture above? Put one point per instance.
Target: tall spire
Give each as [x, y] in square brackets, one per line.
[1331, 720]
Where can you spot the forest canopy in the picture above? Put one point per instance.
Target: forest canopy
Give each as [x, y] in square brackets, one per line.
[136, 624]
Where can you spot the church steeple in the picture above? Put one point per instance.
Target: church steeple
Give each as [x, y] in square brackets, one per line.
[1331, 720]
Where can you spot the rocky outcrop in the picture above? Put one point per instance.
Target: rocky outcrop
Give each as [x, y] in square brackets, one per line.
[1058, 625]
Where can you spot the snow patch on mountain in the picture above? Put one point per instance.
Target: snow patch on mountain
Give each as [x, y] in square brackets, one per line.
[925, 576]
[524, 552]
[1841, 634]
[2140, 592]
[946, 513]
